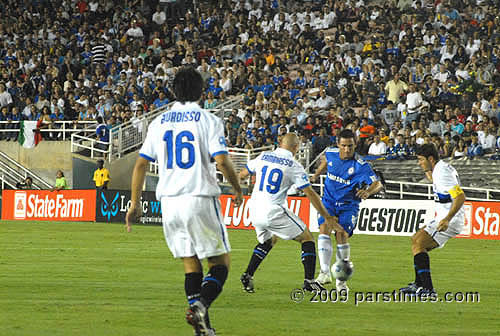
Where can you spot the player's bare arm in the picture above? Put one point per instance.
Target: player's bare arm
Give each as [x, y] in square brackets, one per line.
[225, 165]
[316, 202]
[137, 182]
[244, 174]
[321, 169]
[458, 201]
[374, 188]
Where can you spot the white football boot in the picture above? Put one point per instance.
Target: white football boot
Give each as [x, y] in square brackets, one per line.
[341, 285]
[324, 278]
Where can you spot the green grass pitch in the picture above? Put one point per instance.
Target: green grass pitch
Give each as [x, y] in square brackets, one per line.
[95, 279]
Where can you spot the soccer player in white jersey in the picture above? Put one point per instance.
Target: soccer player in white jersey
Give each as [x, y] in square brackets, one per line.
[187, 141]
[448, 222]
[275, 173]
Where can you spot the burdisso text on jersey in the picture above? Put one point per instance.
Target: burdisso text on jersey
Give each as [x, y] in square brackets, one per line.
[173, 116]
[278, 160]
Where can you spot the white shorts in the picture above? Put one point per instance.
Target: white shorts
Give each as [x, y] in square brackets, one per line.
[454, 228]
[193, 226]
[277, 220]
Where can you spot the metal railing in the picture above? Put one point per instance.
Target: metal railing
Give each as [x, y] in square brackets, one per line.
[129, 136]
[61, 130]
[11, 172]
[96, 148]
[238, 156]
[409, 190]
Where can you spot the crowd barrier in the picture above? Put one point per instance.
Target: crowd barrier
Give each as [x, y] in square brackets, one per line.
[376, 216]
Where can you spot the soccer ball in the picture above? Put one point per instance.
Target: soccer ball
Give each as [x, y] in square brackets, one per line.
[342, 270]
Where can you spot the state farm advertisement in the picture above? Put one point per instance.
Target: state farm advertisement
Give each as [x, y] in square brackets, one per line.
[482, 221]
[63, 205]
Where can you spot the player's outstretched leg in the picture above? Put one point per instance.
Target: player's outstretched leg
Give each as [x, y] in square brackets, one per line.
[259, 253]
[325, 252]
[308, 258]
[343, 253]
[422, 242]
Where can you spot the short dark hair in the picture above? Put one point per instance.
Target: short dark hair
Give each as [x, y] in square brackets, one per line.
[428, 150]
[188, 85]
[346, 134]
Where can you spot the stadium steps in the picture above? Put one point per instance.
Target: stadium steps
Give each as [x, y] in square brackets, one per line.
[481, 173]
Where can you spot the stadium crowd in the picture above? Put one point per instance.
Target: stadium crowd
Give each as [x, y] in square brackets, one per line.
[398, 73]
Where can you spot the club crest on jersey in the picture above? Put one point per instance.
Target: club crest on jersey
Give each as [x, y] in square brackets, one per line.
[304, 177]
[222, 141]
[350, 171]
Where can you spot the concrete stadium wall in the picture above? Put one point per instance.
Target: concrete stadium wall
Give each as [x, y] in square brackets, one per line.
[44, 160]
[49, 156]
[121, 171]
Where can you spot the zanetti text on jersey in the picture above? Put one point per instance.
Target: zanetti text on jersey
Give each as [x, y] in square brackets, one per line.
[173, 116]
[278, 160]
[338, 179]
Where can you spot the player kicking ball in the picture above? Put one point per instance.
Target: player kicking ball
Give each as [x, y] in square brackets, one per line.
[448, 222]
[276, 172]
[344, 189]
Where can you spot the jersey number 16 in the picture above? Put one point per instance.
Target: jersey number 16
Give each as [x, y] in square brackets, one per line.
[178, 146]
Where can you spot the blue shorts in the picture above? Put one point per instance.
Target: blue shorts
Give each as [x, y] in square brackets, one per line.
[347, 213]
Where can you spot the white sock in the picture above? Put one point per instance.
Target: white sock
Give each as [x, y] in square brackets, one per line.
[343, 252]
[325, 252]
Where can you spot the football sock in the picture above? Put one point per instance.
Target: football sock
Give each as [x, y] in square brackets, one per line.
[343, 251]
[213, 283]
[418, 283]
[309, 259]
[192, 286]
[325, 251]
[423, 268]
[259, 253]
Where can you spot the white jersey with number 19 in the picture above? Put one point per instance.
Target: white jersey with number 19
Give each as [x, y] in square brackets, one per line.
[275, 173]
[184, 140]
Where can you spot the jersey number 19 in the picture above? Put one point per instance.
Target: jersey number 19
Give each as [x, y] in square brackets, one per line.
[273, 180]
[177, 146]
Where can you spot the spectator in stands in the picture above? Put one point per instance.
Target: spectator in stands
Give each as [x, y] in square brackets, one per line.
[61, 182]
[320, 142]
[366, 132]
[474, 150]
[460, 149]
[377, 147]
[395, 88]
[102, 133]
[26, 184]
[489, 142]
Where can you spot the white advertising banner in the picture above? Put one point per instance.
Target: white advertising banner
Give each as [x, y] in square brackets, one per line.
[387, 217]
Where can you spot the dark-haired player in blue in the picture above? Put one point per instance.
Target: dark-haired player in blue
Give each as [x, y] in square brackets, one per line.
[345, 186]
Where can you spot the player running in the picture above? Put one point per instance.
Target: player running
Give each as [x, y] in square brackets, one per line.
[185, 141]
[346, 178]
[448, 222]
[276, 172]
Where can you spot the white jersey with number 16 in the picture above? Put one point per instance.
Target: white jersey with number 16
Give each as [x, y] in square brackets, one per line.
[183, 141]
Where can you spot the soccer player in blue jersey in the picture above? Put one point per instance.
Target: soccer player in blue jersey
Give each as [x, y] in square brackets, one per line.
[345, 186]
